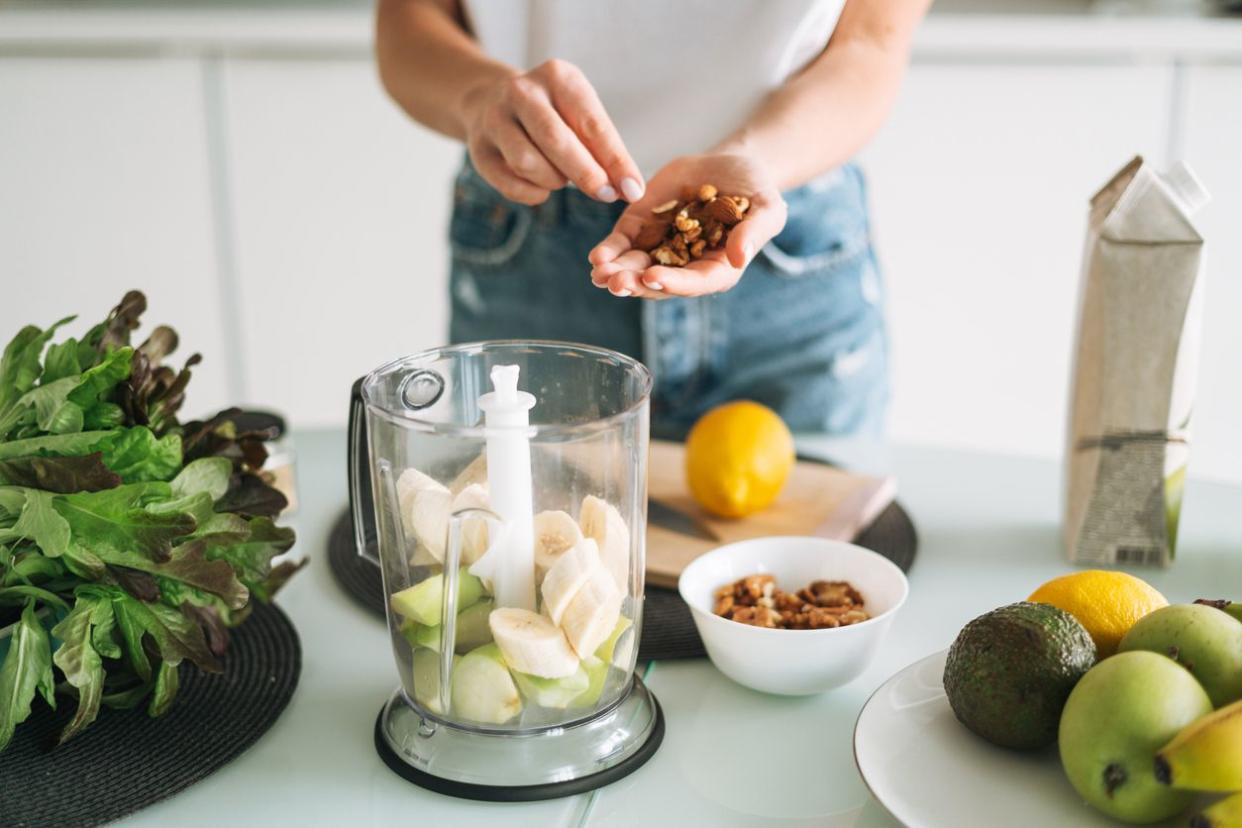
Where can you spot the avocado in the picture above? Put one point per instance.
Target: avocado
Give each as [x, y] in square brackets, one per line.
[1010, 671]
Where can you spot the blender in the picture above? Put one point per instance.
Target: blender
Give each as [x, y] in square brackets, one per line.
[501, 488]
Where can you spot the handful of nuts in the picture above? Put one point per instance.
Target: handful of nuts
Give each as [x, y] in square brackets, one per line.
[686, 228]
[755, 600]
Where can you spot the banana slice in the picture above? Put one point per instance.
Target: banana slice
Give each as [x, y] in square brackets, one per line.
[473, 530]
[592, 614]
[601, 522]
[424, 505]
[566, 577]
[531, 643]
[555, 532]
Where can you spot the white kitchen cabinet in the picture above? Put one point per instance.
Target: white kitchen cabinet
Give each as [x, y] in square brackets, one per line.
[1213, 146]
[340, 208]
[104, 187]
[980, 188]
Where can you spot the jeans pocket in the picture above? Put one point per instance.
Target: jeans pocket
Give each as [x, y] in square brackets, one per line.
[827, 226]
[486, 229]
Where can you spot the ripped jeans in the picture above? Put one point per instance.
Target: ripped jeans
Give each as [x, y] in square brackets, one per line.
[802, 332]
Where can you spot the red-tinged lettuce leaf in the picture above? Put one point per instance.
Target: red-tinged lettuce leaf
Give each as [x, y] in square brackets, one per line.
[190, 565]
[252, 558]
[137, 583]
[212, 624]
[79, 660]
[114, 526]
[27, 669]
[114, 331]
[251, 496]
[277, 578]
[219, 437]
[60, 474]
[176, 637]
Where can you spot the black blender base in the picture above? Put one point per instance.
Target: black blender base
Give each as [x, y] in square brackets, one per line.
[520, 793]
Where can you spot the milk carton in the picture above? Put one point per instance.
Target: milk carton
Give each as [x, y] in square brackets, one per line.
[1139, 320]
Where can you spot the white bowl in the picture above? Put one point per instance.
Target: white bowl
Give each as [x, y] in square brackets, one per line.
[793, 662]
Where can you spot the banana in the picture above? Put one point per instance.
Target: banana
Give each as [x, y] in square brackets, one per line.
[1206, 755]
[425, 507]
[555, 532]
[1227, 813]
[473, 530]
[592, 614]
[567, 576]
[483, 689]
[601, 522]
[531, 643]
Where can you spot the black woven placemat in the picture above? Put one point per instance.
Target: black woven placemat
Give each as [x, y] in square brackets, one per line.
[126, 760]
[668, 628]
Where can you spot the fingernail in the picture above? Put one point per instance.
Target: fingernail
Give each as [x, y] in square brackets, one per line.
[631, 189]
[606, 193]
[748, 251]
[623, 292]
[653, 285]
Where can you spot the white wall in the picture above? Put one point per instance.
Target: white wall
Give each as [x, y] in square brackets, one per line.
[290, 223]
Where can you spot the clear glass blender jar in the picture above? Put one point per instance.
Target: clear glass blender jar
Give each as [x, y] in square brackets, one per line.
[505, 486]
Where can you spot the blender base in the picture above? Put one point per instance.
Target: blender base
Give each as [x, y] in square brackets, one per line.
[521, 767]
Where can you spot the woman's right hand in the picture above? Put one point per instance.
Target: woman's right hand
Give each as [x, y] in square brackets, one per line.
[529, 133]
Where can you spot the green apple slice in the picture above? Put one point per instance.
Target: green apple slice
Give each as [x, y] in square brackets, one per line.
[472, 629]
[483, 689]
[427, 678]
[608, 649]
[553, 692]
[597, 673]
[423, 603]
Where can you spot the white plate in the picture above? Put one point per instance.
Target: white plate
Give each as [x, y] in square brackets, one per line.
[929, 771]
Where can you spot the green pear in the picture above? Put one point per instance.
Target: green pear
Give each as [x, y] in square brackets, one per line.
[1204, 640]
[1116, 719]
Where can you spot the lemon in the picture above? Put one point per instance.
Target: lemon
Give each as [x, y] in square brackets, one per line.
[738, 456]
[1107, 603]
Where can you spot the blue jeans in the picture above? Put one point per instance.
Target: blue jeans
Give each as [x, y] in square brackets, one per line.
[802, 332]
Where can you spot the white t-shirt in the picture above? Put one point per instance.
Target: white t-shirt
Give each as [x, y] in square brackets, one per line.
[676, 76]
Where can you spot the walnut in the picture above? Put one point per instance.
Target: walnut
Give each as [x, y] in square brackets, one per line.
[707, 192]
[665, 256]
[757, 616]
[756, 600]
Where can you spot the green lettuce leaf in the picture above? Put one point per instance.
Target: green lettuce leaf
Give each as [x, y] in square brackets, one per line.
[27, 668]
[78, 658]
[19, 366]
[59, 407]
[114, 526]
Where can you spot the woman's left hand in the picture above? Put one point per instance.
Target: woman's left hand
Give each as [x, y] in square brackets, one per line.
[626, 271]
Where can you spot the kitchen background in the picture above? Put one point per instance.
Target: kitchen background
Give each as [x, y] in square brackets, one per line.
[239, 162]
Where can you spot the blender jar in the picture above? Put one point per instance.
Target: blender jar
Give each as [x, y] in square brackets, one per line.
[504, 486]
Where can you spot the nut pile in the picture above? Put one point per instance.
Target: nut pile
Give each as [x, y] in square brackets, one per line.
[686, 228]
[755, 600]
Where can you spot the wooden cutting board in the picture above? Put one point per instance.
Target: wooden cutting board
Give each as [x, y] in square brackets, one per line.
[818, 500]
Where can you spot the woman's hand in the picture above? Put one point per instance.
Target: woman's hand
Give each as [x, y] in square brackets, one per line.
[528, 133]
[626, 271]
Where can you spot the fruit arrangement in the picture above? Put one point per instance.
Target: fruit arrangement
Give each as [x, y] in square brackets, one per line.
[1143, 698]
[510, 662]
